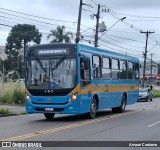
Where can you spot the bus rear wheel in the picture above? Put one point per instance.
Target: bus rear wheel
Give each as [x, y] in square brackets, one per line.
[49, 116]
[93, 109]
[122, 108]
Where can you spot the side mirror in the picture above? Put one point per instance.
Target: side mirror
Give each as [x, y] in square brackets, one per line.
[86, 64]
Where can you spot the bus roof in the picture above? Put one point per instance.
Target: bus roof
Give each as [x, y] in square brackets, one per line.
[92, 50]
[107, 52]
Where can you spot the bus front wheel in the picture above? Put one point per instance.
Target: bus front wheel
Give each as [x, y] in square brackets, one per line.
[93, 109]
[49, 116]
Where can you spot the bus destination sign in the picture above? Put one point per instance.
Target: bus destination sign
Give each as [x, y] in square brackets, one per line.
[53, 51]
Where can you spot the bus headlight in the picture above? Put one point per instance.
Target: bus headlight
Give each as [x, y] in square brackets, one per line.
[73, 97]
[28, 98]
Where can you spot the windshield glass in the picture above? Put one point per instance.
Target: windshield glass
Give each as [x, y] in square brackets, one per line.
[143, 90]
[57, 73]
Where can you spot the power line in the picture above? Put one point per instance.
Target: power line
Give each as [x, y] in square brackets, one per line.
[128, 39]
[36, 16]
[117, 45]
[124, 43]
[118, 50]
[6, 25]
[138, 16]
[114, 14]
[44, 27]
[95, 2]
[47, 23]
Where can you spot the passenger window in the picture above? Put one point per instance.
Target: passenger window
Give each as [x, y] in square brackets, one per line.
[123, 69]
[115, 69]
[130, 70]
[106, 71]
[136, 71]
[96, 64]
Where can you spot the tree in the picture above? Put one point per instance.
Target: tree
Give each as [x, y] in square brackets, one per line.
[59, 35]
[18, 38]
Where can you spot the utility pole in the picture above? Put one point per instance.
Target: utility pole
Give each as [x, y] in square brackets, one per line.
[145, 55]
[79, 23]
[151, 67]
[97, 26]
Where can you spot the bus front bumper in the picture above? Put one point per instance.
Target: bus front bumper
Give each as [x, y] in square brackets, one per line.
[68, 108]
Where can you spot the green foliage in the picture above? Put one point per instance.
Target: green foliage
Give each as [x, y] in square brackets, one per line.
[15, 76]
[59, 35]
[156, 93]
[7, 98]
[18, 38]
[4, 111]
[21, 33]
[18, 96]
[13, 93]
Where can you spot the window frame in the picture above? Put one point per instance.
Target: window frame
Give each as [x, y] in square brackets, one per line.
[100, 66]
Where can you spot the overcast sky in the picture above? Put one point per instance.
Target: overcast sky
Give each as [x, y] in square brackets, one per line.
[124, 36]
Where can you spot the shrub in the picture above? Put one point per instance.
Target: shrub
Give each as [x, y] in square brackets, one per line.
[4, 111]
[8, 97]
[18, 96]
[156, 93]
[13, 93]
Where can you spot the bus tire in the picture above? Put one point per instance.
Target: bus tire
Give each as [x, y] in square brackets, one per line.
[49, 116]
[93, 109]
[120, 109]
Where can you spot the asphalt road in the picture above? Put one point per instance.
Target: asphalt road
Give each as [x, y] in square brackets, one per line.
[140, 122]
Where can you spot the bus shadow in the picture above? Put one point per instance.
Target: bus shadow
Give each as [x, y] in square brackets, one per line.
[81, 117]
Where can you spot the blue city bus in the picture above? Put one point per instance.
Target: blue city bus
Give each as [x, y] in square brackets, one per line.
[74, 79]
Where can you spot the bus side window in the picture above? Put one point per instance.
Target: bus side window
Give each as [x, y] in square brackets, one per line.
[96, 64]
[136, 71]
[115, 68]
[130, 70]
[82, 69]
[123, 69]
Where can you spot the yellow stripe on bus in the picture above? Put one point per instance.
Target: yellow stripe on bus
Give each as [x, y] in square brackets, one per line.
[102, 88]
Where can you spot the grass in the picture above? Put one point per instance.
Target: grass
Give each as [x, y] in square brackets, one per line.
[13, 93]
[156, 93]
[5, 111]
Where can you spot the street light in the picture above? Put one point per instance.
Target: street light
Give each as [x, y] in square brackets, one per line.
[112, 26]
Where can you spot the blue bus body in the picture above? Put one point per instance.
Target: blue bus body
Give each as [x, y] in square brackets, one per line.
[107, 91]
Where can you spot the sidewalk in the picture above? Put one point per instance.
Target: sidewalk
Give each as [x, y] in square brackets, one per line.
[14, 108]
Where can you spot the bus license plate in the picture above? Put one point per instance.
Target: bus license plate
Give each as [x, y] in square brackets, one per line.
[49, 109]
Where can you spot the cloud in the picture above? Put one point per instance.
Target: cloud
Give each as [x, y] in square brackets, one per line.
[132, 4]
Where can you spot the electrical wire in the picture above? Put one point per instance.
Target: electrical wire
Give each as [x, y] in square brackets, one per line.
[36, 16]
[47, 23]
[124, 43]
[119, 50]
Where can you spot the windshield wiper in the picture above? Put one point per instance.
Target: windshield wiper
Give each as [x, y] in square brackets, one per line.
[41, 65]
[58, 63]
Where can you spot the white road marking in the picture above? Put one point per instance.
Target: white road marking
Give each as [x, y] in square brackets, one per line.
[154, 124]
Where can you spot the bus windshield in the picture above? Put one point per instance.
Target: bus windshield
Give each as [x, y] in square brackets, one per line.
[55, 73]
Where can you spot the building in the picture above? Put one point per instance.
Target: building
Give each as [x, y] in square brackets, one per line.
[151, 71]
[3, 55]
